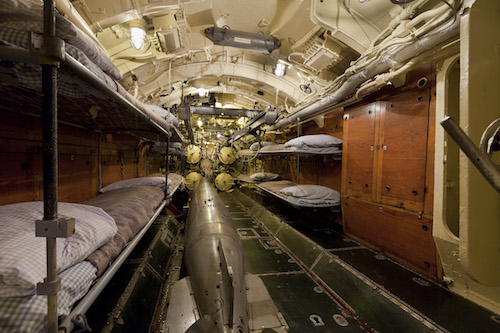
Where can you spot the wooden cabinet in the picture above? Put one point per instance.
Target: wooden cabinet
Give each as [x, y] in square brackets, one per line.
[385, 150]
[386, 163]
[358, 151]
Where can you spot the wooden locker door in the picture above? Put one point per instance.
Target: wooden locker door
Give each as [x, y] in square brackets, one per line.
[402, 150]
[358, 151]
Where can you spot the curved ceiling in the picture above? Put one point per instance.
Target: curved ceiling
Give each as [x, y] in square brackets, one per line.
[176, 49]
[319, 39]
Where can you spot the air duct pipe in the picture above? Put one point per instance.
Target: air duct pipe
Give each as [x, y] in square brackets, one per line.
[208, 110]
[397, 54]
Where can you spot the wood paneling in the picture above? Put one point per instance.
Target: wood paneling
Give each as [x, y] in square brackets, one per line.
[404, 237]
[358, 150]
[21, 173]
[394, 215]
[403, 149]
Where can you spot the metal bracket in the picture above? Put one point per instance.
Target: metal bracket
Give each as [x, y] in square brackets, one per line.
[61, 228]
[48, 288]
[81, 324]
[50, 48]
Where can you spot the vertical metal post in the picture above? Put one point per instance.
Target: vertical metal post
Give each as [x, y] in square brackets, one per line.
[166, 165]
[99, 161]
[297, 155]
[49, 127]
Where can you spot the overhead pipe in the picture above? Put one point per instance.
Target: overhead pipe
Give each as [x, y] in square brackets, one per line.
[209, 110]
[396, 55]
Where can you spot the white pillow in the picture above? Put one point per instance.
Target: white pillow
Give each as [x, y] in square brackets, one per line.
[264, 176]
[164, 114]
[141, 181]
[23, 256]
[315, 141]
[311, 192]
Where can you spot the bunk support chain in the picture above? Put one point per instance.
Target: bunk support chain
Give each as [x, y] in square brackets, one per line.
[52, 52]
[478, 157]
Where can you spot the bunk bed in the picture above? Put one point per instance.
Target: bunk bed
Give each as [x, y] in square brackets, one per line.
[84, 93]
[303, 146]
[304, 195]
[307, 195]
[258, 177]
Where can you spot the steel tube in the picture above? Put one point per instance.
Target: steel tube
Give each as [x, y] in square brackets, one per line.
[82, 307]
[209, 110]
[99, 160]
[49, 135]
[166, 166]
[482, 162]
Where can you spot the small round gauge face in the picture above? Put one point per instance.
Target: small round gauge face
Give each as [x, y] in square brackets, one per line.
[227, 155]
[191, 179]
[193, 154]
[224, 182]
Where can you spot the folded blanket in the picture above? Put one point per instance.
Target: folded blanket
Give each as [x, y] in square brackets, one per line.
[312, 193]
[23, 255]
[264, 176]
[139, 181]
[315, 141]
[131, 208]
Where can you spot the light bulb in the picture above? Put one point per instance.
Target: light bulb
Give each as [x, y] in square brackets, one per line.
[137, 37]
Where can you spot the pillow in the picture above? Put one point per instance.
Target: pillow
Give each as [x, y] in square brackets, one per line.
[141, 181]
[316, 141]
[164, 114]
[264, 176]
[311, 192]
[23, 256]
[255, 146]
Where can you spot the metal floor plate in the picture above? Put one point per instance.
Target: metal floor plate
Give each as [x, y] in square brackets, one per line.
[318, 278]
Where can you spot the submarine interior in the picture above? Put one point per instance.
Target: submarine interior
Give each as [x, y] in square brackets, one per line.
[229, 166]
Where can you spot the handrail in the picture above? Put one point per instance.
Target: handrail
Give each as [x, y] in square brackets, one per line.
[482, 161]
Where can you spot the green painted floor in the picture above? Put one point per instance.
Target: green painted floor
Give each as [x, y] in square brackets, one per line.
[315, 276]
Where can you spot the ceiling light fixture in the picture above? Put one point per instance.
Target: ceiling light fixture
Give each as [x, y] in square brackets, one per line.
[243, 40]
[279, 70]
[202, 92]
[200, 123]
[137, 33]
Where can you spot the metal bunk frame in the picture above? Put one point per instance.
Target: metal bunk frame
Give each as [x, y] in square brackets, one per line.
[51, 227]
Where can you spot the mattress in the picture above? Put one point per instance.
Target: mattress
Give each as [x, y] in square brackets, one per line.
[131, 208]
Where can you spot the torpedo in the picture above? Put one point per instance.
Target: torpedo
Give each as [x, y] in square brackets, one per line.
[217, 288]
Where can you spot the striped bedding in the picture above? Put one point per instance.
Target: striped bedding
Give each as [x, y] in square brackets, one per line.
[23, 255]
[28, 314]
